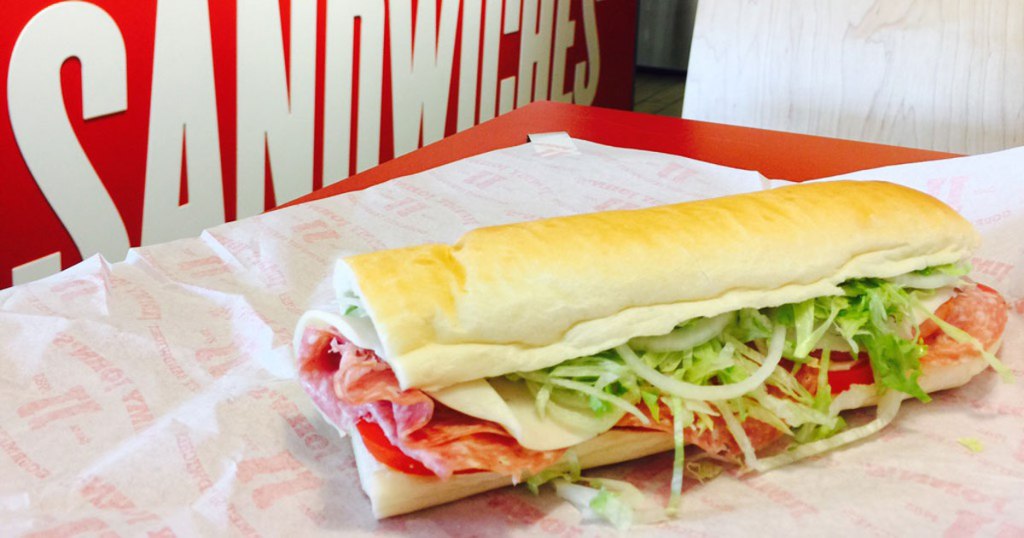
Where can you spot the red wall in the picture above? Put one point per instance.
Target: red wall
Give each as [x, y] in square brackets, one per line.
[75, 186]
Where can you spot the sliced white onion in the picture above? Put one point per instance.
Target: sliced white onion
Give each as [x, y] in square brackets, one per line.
[690, 391]
[833, 341]
[692, 335]
[679, 423]
[621, 403]
[577, 494]
[739, 434]
[888, 407]
[645, 508]
[632, 506]
[698, 406]
[583, 421]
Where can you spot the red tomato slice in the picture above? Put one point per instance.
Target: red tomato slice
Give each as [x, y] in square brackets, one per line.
[385, 452]
[382, 450]
[987, 289]
[859, 374]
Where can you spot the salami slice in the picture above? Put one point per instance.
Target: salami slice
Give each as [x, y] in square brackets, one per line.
[979, 311]
[350, 384]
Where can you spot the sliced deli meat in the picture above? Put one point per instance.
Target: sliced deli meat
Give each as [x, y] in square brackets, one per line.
[350, 384]
[979, 311]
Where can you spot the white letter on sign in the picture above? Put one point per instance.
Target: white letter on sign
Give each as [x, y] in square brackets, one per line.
[468, 59]
[535, 50]
[275, 108]
[338, 85]
[565, 35]
[182, 112]
[40, 122]
[489, 62]
[421, 75]
[585, 85]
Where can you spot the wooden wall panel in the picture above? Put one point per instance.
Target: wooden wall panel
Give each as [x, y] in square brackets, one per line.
[945, 75]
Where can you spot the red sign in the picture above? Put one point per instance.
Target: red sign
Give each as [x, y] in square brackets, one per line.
[133, 122]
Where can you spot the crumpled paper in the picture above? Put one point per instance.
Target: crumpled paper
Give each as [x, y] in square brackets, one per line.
[157, 396]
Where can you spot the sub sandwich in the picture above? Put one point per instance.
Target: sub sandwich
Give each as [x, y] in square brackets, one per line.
[743, 326]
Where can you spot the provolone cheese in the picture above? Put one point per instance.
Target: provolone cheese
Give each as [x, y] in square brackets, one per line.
[358, 330]
[513, 406]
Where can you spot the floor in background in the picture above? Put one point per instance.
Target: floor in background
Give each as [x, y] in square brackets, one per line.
[659, 93]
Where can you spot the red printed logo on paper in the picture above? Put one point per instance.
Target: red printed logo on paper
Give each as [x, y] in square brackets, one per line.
[949, 190]
[104, 495]
[44, 411]
[276, 477]
[81, 527]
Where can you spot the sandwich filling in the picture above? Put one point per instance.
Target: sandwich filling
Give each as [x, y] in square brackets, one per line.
[735, 385]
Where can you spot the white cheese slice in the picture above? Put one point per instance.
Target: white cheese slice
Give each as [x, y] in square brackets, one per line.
[358, 330]
[512, 405]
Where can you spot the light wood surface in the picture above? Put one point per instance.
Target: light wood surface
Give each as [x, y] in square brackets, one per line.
[935, 74]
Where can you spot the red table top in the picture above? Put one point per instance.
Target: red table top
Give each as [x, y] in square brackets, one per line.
[775, 154]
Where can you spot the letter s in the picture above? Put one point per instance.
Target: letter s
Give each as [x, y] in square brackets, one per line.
[41, 125]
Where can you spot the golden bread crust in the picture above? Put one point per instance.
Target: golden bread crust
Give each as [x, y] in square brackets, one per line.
[530, 295]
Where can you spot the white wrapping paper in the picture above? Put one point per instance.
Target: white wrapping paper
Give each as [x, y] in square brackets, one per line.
[157, 396]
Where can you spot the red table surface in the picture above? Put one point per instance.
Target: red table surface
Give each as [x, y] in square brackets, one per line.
[775, 154]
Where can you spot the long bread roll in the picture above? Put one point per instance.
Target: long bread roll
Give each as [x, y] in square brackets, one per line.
[447, 319]
[531, 295]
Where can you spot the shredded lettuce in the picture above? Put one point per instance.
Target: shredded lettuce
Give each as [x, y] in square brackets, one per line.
[739, 434]
[600, 400]
[972, 444]
[731, 357]
[751, 325]
[961, 268]
[871, 319]
[616, 501]
[680, 421]
[702, 469]
[730, 366]
[351, 305]
[541, 398]
[611, 507]
[807, 335]
[568, 469]
[888, 407]
[937, 276]
[650, 399]
[812, 430]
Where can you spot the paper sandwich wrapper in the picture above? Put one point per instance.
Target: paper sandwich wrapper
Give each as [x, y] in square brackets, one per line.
[158, 396]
